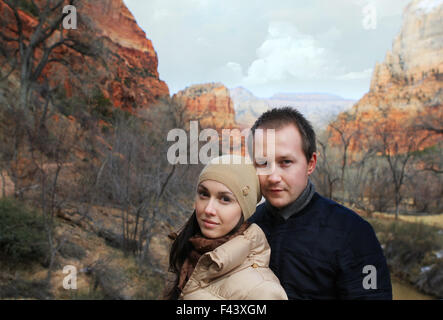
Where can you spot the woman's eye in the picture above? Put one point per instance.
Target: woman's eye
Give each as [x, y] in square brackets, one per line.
[203, 194]
[226, 199]
[261, 164]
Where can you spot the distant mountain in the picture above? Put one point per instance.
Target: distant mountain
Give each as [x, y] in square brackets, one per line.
[319, 108]
[247, 106]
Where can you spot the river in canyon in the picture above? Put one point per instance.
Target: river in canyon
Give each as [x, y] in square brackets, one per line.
[404, 291]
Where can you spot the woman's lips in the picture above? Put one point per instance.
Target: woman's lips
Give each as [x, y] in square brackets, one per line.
[209, 224]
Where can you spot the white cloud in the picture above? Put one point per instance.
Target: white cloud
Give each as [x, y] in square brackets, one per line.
[268, 46]
[288, 54]
[235, 67]
[428, 5]
[365, 74]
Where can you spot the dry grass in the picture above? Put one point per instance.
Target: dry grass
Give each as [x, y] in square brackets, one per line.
[435, 220]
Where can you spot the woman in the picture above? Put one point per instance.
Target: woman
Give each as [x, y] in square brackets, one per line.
[218, 254]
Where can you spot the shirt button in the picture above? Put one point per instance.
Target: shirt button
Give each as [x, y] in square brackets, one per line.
[254, 265]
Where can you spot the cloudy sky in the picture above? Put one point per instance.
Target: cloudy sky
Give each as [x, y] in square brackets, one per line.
[270, 46]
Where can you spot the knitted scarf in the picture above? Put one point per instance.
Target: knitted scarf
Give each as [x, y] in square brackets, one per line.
[201, 245]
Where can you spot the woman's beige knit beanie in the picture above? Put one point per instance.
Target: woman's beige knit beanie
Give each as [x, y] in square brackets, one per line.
[239, 176]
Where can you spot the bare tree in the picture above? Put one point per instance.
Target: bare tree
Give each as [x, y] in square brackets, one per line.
[361, 176]
[53, 166]
[138, 178]
[27, 50]
[36, 49]
[431, 118]
[397, 141]
[325, 175]
[378, 187]
[430, 121]
[347, 132]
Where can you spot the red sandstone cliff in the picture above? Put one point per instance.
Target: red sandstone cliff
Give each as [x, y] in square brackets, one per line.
[126, 71]
[411, 75]
[134, 68]
[212, 102]
[408, 86]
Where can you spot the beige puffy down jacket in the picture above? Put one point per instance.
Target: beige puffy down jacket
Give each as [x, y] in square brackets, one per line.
[236, 270]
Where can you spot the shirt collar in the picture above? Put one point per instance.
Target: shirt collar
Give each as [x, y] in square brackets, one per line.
[296, 206]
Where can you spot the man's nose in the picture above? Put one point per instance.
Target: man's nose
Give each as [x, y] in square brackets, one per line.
[274, 177]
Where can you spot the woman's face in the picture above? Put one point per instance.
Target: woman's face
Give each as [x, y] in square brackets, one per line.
[217, 209]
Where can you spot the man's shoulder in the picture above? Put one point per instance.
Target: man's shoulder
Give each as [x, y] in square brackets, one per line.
[259, 213]
[328, 211]
[338, 214]
[358, 234]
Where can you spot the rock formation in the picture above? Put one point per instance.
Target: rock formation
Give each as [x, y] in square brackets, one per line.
[418, 50]
[409, 82]
[125, 71]
[211, 103]
[412, 73]
[135, 76]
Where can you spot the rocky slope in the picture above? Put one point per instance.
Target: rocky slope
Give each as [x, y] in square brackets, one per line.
[418, 50]
[411, 75]
[93, 247]
[126, 70]
[134, 71]
[409, 83]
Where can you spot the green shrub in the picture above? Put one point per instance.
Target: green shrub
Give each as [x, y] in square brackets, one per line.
[408, 246]
[101, 106]
[25, 289]
[22, 233]
[72, 250]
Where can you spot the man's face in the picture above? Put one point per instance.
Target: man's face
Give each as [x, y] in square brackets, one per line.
[288, 170]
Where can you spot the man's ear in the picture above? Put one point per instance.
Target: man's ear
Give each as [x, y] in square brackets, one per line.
[312, 163]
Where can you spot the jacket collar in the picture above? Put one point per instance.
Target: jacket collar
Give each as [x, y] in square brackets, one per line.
[234, 255]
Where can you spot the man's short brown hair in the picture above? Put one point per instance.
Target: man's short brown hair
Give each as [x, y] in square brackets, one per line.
[278, 118]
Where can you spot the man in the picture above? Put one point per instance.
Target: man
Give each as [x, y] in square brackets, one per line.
[319, 248]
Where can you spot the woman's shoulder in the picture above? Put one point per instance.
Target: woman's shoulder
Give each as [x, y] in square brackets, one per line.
[258, 244]
[257, 283]
[255, 233]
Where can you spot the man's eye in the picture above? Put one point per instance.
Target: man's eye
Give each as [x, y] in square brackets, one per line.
[286, 162]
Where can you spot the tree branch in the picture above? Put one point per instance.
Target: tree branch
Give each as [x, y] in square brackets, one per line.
[8, 39]
[19, 26]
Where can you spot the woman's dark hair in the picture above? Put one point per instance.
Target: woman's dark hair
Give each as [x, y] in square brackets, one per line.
[181, 248]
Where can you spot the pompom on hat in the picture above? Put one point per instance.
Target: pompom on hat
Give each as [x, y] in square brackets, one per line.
[239, 176]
